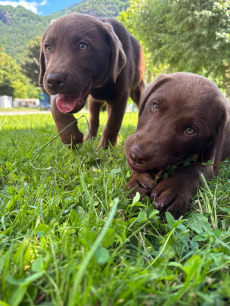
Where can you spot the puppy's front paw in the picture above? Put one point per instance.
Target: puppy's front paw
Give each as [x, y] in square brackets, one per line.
[71, 136]
[142, 183]
[170, 195]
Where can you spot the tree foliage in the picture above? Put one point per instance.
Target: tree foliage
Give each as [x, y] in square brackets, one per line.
[186, 35]
[12, 81]
[102, 8]
[30, 61]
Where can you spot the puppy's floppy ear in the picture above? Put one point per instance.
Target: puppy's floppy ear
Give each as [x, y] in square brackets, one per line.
[218, 146]
[42, 64]
[118, 60]
[150, 88]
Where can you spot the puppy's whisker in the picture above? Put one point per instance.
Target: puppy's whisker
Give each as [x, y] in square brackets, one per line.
[204, 126]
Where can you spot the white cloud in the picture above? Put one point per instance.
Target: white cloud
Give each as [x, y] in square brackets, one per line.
[32, 6]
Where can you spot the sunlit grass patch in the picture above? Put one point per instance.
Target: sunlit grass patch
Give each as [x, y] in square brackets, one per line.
[53, 210]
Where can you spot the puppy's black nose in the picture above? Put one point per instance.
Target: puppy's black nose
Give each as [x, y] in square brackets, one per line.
[55, 79]
[138, 155]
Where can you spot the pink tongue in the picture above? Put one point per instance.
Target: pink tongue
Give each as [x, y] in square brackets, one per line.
[66, 104]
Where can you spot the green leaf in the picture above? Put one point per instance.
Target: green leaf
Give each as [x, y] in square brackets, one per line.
[10, 203]
[142, 216]
[209, 163]
[202, 237]
[169, 251]
[73, 216]
[186, 163]
[9, 166]
[115, 171]
[31, 278]
[102, 255]
[191, 265]
[17, 296]
[89, 235]
[165, 176]
[175, 264]
[38, 264]
[136, 198]
[224, 209]
[14, 281]
[139, 204]
[42, 229]
[23, 281]
[109, 237]
[177, 223]
[29, 155]
[170, 220]
[23, 253]
[217, 232]
[199, 224]
[153, 213]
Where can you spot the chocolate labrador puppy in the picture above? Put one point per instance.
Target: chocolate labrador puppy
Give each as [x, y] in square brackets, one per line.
[181, 114]
[85, 56]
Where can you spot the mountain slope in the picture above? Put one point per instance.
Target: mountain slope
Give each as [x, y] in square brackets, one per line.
[18, 25]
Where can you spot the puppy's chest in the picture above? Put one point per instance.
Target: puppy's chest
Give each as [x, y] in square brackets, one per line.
[106, 93]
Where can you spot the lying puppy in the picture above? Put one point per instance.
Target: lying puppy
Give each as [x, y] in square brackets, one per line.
[181, 114]
[82, 55]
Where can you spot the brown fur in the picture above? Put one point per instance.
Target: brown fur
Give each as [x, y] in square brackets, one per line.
[113, 65]
[184, 100]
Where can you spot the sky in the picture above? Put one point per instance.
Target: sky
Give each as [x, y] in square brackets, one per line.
[42, 7]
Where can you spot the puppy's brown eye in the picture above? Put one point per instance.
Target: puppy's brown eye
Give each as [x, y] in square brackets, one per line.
[83, 46]
[189, 131]
[48, 48]
[155, 107]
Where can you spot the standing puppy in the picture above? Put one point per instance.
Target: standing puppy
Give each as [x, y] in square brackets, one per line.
[181, 114]
[85, 56]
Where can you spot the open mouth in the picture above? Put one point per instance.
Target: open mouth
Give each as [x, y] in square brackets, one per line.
[73, 103]
[135, 167]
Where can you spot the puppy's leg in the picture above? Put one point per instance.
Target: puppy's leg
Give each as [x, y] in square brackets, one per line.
[94, 110]
[116, 111]
[173, 194]
[71, 135]
[136, 93]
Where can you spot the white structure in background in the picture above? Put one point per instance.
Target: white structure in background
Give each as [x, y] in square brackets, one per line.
[52, 97]
[26, 102]
[5, 102]
[131, 108]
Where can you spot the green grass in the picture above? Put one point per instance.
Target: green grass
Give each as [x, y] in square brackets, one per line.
[69, 235]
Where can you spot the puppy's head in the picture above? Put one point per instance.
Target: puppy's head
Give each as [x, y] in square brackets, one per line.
[180, 114]
[78, 53]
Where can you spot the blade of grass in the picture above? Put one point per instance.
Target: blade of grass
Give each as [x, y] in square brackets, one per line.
[90, 254]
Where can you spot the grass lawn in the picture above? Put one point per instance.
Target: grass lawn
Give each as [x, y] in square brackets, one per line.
[18, 109]
[69, 235]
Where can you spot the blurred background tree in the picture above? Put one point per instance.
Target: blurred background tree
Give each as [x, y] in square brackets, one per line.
[30, 60]
[12, 81]
[184, 35]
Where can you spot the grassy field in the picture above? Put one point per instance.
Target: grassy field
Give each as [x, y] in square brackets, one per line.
[18, 109]
[69, 235]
